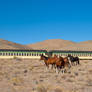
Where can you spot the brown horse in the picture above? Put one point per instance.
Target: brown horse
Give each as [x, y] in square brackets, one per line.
[62, 63]
[58, 63]
[49, 60]
[67, 63]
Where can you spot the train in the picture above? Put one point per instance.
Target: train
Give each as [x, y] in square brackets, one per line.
[35, 54]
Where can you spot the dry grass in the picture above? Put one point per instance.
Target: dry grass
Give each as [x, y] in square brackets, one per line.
[41, 88]
[17, 81]
[90, 71]
[71, 76]
[70, 80]
[31, 76]
[89, 82]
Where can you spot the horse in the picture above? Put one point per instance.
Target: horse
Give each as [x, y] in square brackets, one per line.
[49, 60]
[57, 62]
[74, 59]
[62, 63]
[67, 63]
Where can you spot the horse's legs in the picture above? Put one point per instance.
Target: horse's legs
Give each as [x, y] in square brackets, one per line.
[72, 63]
[47, 67]
[52, 66]
[63, 70]
[78, 62]
[57, 69]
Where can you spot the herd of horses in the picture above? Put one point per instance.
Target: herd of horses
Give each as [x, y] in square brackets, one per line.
[60, 63]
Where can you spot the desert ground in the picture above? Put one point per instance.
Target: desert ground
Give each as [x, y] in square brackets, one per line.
[25, 75]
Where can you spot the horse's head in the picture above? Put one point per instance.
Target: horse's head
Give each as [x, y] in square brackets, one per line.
[69, 55]
[61, 58]
[41, 57]
[55, 56]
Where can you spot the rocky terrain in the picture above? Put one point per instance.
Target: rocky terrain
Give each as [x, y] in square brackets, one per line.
[25, 75]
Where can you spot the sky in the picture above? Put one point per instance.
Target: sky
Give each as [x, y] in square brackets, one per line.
[31, 21]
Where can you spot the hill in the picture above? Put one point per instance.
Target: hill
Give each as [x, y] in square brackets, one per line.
[82, 46]
[4, 44]
[53, 44]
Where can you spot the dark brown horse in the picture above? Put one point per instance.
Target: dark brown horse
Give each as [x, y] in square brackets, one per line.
[62, 63]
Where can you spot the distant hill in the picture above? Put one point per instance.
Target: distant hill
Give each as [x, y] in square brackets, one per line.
[53, 44]
[89, 42]
[82, 46]
[4, 44]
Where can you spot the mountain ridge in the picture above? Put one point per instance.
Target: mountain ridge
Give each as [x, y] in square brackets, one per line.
[5, 44]
[51, 44]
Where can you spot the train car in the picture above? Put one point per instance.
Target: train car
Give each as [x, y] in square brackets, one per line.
[11, 53]
[80, 54]
[35, 54]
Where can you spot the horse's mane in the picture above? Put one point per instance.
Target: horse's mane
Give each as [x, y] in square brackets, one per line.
[45, 57]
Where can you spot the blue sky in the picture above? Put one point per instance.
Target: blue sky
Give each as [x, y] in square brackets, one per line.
[30, 21]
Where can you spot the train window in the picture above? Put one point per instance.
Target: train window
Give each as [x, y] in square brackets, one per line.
[11, 54]
[24, 54]
[27, 54]
[3, 54]
[0, 54]
[14, 54]
[37, 54]
[6, 54]
[21, 54]
[30, 54]
[17, 54]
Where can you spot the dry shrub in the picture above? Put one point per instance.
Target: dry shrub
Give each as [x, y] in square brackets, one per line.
[1, 75]
[70, 80]
[17, 81]
[89, 82]
[90, 71]
[41, 88]
[58, 90]
[64, 76]
[75, 90]
[86, 62]
[80, 79]
[72, 76]
[31, 68]
[76, 73]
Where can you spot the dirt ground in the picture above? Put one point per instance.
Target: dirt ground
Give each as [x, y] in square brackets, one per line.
[25, 75]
